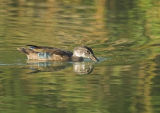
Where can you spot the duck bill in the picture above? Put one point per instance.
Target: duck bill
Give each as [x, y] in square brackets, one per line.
[94, 58]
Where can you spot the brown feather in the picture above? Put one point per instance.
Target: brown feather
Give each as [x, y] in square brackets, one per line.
[55, 53]
[51, 50]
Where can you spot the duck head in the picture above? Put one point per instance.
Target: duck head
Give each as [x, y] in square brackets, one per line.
[84, 52]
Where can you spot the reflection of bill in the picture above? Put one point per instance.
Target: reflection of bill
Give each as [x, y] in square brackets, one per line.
[83, 67]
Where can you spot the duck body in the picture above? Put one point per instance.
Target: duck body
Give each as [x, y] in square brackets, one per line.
[44, 53]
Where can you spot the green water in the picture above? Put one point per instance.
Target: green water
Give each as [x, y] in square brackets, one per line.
[124, 34]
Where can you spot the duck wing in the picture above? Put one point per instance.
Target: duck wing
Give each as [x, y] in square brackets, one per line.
[40, 47]
[61, 52]
[51, 50]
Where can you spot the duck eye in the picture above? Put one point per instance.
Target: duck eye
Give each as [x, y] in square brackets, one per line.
[88, 52]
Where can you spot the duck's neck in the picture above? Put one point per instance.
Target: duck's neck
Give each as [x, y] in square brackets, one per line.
[76, 58]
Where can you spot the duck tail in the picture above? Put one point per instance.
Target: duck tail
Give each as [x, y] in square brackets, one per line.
[23, 50]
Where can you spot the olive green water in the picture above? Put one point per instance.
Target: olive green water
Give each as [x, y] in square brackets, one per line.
[124, 34]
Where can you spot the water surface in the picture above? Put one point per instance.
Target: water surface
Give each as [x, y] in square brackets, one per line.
[124, 35]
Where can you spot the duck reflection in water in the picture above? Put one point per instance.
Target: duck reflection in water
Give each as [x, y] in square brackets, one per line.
[83, 67]
[48, 66]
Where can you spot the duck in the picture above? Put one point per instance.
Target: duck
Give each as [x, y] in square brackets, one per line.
[44, 53]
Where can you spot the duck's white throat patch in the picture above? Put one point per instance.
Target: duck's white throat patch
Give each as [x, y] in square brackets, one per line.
[79, 54]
